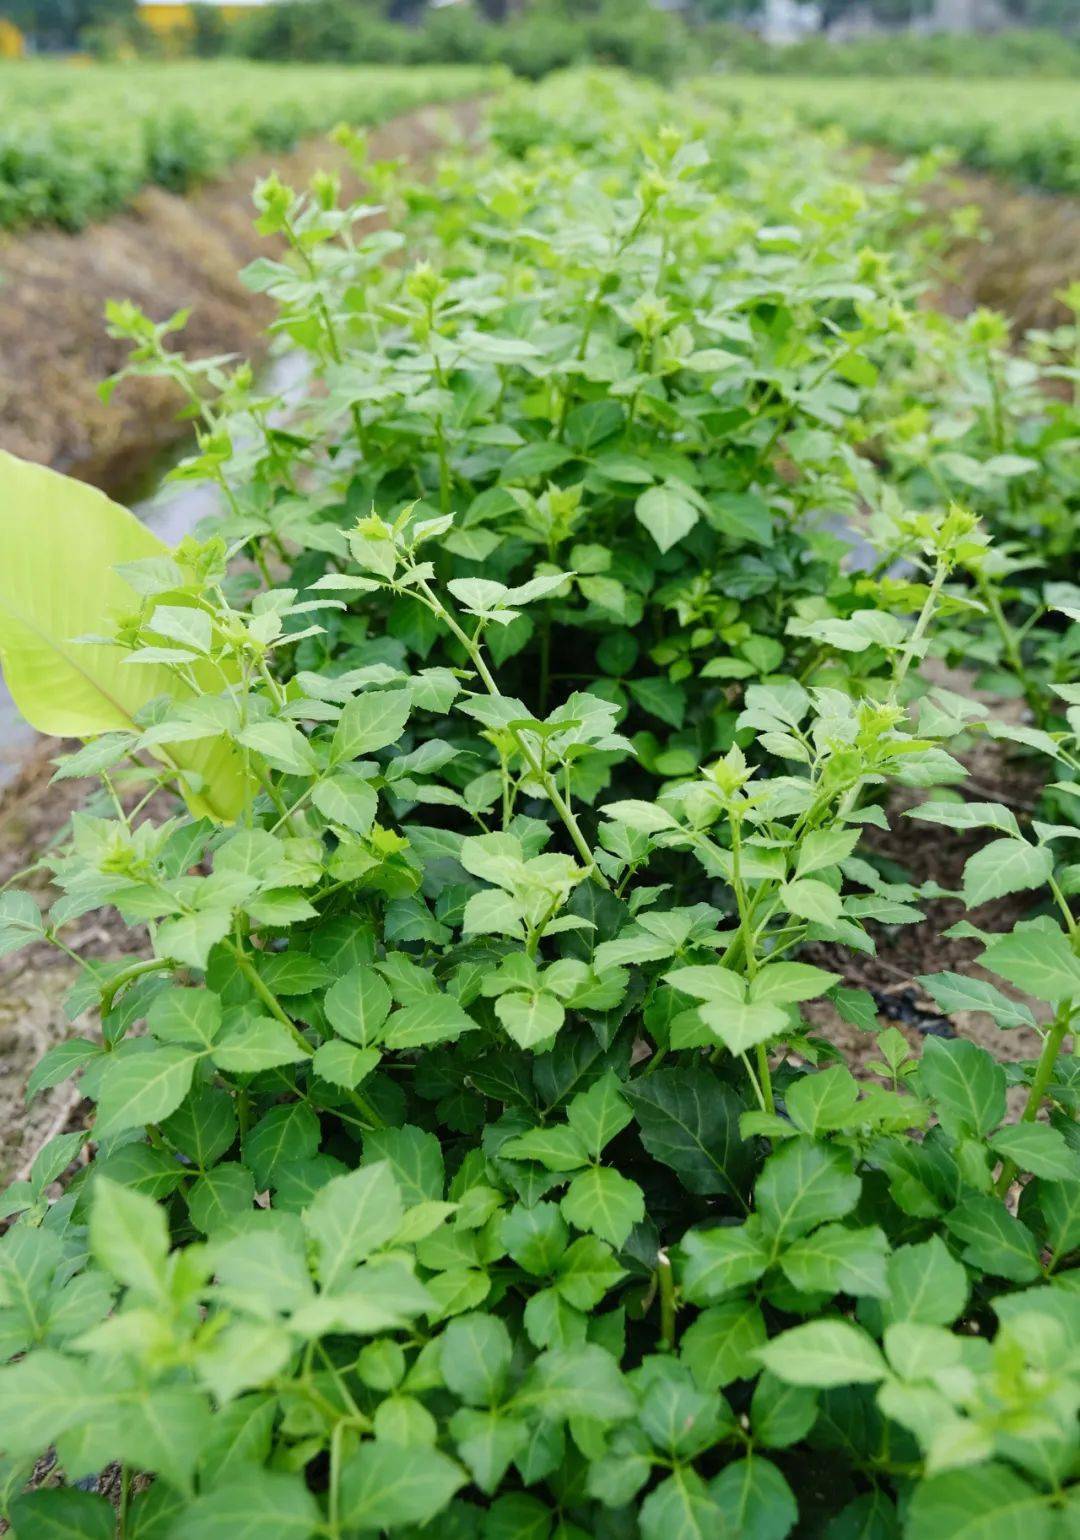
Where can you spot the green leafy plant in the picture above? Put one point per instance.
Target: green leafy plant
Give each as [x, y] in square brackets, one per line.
[468, 1152]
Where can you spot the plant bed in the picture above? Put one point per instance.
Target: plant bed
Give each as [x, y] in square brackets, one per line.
[466, 1155]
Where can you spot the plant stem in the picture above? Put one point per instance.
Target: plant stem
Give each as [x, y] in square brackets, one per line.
[765, 1076]
[125, 1498]
[666, 1280]
[267, 995]
[335, 1478]
[546, 779]
[136, 970]
[1044, 1072]
[746, 934]
[1011, 646]
[926, 614]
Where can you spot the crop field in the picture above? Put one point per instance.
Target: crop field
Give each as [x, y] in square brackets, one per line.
[649, 618]
[78, 143]
[1026, 129]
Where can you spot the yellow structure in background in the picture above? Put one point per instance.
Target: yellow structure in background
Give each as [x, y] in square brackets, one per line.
[12, 42]
[172, 18]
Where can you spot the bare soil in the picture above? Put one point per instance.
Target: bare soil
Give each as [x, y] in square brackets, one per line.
[166, 253]
[1026, 250]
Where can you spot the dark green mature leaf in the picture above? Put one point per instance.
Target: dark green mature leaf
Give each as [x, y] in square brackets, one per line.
[583, 1382]
[219, 1195]
[535, 1237]
[141, 1088]
[666, 514]
[966, 1085]
[370, 722]
[1037, 959]
[1059, 1208]
[599, 1113]
[837, 1259]
[957, 992]
[756, 1501]
[358, 1005]
[682, 1508]
[1038, 1148]
[926, 1284]
[250, 1043]
[604, 1201]
[190, 1017]
[802, 1185]
[385, 1485]
[689, 1120]
[63, 1514]
[781, 1414]
[42, 1396]
[989, 1502]
[285, 1134]
[993, 1240]
[252, 1505]
[1005, 866]
[20, 921]
[721, 1344]
[129, 1236]
[475, 1358]
[723, 1259]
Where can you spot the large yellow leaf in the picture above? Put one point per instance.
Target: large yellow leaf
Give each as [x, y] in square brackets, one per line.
[60, 541]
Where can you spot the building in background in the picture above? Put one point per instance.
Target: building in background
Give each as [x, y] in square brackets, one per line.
[175, 21]
[12, 42]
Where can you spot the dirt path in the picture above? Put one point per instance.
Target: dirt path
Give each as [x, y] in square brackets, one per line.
[166, 253]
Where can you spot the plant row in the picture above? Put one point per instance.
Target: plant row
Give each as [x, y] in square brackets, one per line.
[76, 145]
[495, 794]
[1025, 129]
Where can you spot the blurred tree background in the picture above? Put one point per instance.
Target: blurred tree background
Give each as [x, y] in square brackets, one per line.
[531, 37]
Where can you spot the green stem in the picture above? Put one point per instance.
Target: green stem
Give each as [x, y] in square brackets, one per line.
[748, 939]
[546, 780]
[1011, 647]
[1044, 1072]
[926, 615]
[125, 1499]
[267, 995]
[666, 1281]
[135, 971]
[335, 1479]
[274, 1006]
[765, 1077]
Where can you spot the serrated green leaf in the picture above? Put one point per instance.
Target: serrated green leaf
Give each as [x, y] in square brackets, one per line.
[386, 1486]
[351, 1217]
[251, 1505]
[140, 1088]
[824, 1353]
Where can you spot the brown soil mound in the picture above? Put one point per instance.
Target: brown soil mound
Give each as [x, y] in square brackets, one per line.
[166, 253]
[1026, 251]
